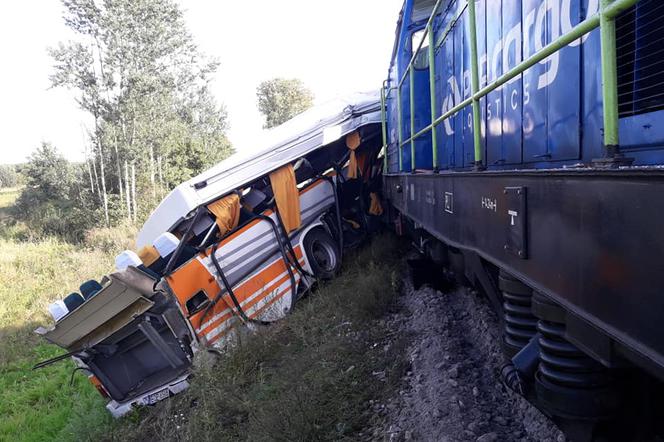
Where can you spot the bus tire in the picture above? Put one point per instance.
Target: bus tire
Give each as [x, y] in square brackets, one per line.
[322, 253]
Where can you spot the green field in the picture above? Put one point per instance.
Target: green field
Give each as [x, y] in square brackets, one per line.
[41, 405]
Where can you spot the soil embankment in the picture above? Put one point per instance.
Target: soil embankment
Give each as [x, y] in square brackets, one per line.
[452, 390]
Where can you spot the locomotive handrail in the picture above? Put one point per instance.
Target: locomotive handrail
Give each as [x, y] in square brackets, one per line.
[604, 19]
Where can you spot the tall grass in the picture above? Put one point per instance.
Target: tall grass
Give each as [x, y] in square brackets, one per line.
[41, 405]
[8, 197]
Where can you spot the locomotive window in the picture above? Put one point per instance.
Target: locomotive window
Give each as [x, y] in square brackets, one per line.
[422, 59]
[640, 46]
[422, 10]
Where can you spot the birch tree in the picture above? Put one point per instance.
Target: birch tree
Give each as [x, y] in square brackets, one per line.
[138, 73]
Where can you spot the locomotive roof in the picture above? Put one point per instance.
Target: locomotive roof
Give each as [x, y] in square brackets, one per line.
[311, 130]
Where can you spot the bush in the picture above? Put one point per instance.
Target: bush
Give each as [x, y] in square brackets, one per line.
[52, 203]
[65, 219]
[8, 176]
[111, 240]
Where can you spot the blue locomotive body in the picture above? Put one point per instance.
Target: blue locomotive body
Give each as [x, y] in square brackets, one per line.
[524, 150]
[550, 116]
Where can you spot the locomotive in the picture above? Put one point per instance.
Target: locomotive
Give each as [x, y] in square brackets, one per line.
[524, 150]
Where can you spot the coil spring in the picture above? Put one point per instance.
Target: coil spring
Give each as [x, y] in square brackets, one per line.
[520, 323]
[564, 364]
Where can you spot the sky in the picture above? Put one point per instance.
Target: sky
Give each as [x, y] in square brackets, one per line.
[335, 47]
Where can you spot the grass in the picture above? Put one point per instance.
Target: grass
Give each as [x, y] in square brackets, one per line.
[308, 377]
[41, 405]
[7, 198]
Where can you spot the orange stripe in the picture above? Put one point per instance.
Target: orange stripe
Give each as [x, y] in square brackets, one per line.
[258, 312]
[275, 299]
[249, 305]
[244, 291]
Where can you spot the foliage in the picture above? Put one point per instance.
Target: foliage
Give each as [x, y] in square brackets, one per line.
[53, 202]
[8, 176]
[138, 73]
[49, 174]
[281, 99]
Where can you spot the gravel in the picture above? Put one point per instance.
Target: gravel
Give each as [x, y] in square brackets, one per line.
[452, 390]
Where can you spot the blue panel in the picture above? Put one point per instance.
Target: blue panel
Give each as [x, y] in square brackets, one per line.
[512, 92]
[563, 77]
[551, 116]
[483, 66]
[405, 121]
[459, 87]
[592, 98]
[392, 134]
[423, 154]
[468, 137]
[445, 90]
[535, 99]
[393, 149]
[644, 130]
[466, 90]
[494, 111]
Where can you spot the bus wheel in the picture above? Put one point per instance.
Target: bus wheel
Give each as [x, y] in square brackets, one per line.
[323, 254]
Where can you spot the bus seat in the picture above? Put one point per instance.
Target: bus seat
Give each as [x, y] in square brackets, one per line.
[126, 259]
[90, 288]
[73, 301]
[165, 245]
[58, 310]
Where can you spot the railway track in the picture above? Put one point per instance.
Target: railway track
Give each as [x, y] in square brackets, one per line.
[452, 390]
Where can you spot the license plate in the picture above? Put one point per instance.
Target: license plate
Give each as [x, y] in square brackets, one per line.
[158, 396]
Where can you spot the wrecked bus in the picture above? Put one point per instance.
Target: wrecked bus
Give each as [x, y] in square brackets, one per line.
[227, 251]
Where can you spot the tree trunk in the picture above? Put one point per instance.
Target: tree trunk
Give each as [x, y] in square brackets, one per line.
[152, 183]
[127, 195]
[92, 183]
[94, 168]
[133, 189]
[87, 163]
[103, 185]
[161, 177]
[119, 167]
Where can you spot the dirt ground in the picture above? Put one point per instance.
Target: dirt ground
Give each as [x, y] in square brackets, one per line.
[452, 390]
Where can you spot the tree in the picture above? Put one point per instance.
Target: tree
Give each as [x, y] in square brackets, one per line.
[143, 80]
[8, 176]
[48, 174]
[53, 201]
[281, 99]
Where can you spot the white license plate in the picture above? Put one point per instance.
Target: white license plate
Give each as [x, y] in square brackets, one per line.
[158, 396]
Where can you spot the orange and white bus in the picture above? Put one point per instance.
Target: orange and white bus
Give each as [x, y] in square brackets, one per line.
[225, 252]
